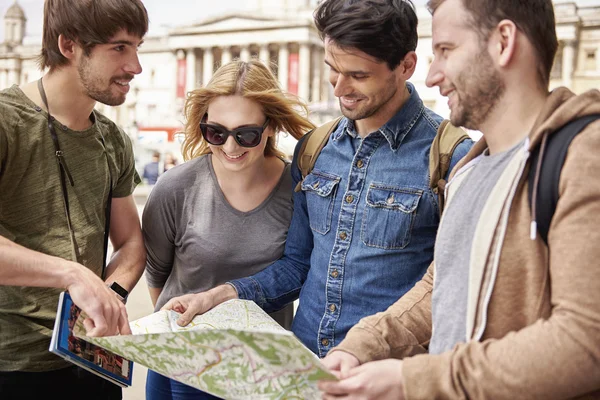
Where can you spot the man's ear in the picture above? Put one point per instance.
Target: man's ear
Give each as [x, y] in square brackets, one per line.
[67, 47]
[505, 38]
[407, 65]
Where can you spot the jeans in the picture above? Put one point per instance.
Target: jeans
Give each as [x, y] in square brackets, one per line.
[159, 387]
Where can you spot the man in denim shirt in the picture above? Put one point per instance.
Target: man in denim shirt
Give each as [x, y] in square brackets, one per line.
[365, 221]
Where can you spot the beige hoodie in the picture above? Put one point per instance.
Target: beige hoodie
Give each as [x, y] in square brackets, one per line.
[533, 319]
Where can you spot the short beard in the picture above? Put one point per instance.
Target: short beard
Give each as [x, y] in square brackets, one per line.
[92, 85]
[482, 90]
[369, 112]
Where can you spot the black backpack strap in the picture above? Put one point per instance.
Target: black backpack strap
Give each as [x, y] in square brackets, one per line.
[552, 162]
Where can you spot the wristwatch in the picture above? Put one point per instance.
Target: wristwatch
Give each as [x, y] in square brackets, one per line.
[120, 291]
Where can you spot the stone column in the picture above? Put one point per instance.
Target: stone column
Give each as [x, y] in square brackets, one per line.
[282, 63]
[207, 65]
[304, 71]
[226, 55]
[3, 79]
[190, 67]
[263, 54]
[245, 53]
[568, 62]
[317, 66]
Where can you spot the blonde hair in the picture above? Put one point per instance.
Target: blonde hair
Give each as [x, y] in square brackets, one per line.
[252, 80]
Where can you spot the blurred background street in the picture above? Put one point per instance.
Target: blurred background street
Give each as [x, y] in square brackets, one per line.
[138, 306]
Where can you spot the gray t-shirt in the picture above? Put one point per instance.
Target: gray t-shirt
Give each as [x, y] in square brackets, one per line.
[453, 251]
[196, 240]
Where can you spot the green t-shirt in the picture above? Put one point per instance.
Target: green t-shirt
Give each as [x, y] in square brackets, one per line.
[32, 213]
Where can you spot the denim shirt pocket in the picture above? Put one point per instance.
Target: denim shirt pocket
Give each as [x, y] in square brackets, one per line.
[389, 216]
[320, 189]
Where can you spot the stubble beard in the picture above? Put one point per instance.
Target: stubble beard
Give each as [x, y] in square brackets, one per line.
[363, 112]
[483, 89]
[93, 85]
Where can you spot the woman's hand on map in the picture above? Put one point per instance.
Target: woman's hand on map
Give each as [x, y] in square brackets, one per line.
[190, 305]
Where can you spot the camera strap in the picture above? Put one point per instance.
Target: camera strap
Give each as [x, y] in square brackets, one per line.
[64, 175]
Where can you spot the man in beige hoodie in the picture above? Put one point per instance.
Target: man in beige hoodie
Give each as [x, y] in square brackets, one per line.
[507, 315]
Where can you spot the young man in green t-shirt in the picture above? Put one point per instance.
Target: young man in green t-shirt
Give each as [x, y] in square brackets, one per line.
[66, 169]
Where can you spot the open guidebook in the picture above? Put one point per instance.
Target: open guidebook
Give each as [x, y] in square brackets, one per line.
[234, 351]
[98, 360]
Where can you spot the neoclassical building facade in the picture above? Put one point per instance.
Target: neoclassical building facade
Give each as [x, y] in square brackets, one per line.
[577, 62]
[17, 61]
[282, 33]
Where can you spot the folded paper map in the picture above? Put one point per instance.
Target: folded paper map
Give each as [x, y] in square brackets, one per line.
[234, 351]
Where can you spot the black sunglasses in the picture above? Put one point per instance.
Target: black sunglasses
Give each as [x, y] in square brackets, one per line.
[246, 136]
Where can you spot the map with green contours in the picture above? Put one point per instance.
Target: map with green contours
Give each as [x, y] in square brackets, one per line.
[234, 351]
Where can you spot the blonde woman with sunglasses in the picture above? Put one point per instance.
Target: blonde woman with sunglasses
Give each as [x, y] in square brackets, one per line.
[225, 212]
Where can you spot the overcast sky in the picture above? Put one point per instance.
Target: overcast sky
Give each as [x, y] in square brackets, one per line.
[161, 12]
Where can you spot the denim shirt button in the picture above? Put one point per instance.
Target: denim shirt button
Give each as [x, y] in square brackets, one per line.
[316, 184]
[349, 198]
[334, 273]
[343, 235]
[332, 307]
[390, 200]
[360, 163]
[325, 342]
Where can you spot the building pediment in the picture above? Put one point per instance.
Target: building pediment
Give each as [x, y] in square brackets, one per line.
[238, 22]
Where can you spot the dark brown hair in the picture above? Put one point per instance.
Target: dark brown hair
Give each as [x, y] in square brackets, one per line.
[88, 23]
[254, 81]
[383, 29]
[535, 18]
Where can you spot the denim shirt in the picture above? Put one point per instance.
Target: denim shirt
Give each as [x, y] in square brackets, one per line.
[362, 231]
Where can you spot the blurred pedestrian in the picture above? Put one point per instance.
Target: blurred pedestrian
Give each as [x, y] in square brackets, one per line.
[152, 169]
[170, 162]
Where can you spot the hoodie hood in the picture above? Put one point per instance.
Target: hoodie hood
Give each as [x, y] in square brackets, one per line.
[561, 107]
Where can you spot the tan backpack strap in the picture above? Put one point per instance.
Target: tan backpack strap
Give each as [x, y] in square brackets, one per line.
[447, 138]
[312, 146]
